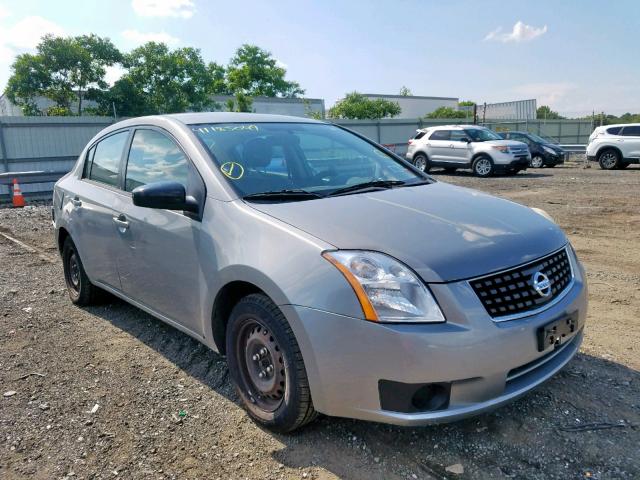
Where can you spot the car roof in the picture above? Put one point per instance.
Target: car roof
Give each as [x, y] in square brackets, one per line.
[450, 127]
[619, 125]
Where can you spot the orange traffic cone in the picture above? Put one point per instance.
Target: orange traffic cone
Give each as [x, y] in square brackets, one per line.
[18, 199]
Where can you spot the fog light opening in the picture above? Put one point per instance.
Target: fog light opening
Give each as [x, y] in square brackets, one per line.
[433, 396]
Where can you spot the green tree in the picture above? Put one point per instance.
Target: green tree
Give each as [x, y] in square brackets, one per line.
[544, 112]
[159, 80]
[63, 69]
[466, 103]
[356, 105]
[28, 80]
[405, 92]
[253, 71]
[447, 112]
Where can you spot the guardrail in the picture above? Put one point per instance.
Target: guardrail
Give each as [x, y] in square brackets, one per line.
[27, 178]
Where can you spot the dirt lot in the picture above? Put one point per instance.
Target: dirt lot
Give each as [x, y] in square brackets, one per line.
[165, 408]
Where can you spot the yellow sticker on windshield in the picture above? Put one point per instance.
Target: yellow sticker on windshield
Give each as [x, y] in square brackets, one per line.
[233, 170]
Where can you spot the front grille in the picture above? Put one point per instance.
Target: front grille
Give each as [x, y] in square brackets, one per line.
[519, 150]
[512, 292]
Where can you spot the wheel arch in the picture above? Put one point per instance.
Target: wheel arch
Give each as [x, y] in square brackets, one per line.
[236, 283]
[62, 236]
[604, 148]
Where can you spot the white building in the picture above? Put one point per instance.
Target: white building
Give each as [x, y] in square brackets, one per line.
[297, 107]
[414, 106]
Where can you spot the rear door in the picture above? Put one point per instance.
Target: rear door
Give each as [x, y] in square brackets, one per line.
[91, 214]
[159, 249]
[460, 148]
[439, 145]
[631, 141]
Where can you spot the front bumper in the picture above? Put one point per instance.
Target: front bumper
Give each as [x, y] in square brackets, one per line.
[485, 364]
[519, 163]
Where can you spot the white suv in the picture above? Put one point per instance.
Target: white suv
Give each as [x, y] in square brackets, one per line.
[615, 146]
[467, 146]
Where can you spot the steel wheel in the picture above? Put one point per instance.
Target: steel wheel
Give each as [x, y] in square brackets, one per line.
[608, 160]
[74, 272]
[537, 161]
[483, 167]
[261, 366]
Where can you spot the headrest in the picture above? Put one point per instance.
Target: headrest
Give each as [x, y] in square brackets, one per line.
[257, 153]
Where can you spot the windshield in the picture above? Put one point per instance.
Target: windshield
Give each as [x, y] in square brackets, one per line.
[482, 135]
[298, 158]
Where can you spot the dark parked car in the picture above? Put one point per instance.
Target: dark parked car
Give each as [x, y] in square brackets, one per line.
[544, 153]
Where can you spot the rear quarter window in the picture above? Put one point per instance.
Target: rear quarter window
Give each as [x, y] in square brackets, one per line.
[419, 135]
[614, 130]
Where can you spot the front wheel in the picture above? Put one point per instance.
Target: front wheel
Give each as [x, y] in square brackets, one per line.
[537, 161]
[266, 365]
[482, 166]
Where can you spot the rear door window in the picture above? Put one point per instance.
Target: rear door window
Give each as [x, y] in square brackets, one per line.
[106, 159]
[154, 157]
[440, 135]
[632, 131]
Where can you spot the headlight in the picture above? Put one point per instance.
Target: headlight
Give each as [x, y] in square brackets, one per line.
[544, 213]
[501, 148]
[549, 150]
[387, 290]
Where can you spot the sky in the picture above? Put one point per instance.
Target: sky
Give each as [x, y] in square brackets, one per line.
[576, 56]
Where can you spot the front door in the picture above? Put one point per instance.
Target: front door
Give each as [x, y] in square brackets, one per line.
[159, 260]
[460, 147]
[631, 140]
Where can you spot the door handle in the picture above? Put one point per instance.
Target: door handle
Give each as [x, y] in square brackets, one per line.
[121, 222]
[451, 145]
[76, 202]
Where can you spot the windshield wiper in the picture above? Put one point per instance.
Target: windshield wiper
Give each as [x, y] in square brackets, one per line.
[292, 194]
[367, 185]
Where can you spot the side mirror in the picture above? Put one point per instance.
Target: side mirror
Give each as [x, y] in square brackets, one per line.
[164, 195]
[466, 140]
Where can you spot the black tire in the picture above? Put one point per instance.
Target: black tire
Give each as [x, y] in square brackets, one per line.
[482, 166]
[81, 291]
[609, 159]
[537, 161]
[281, 399]
[421, 162]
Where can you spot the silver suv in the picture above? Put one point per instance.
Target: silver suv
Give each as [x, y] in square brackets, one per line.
[467, 146]
[334, 276]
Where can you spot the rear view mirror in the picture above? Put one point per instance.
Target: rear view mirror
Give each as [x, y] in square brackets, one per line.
[164, 195]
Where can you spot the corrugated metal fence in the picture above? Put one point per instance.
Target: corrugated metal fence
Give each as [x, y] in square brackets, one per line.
[51, 144]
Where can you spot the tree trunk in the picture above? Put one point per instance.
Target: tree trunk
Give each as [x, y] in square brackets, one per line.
[79, 102]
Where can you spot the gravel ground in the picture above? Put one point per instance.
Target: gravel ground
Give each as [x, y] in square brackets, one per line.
[108, 391]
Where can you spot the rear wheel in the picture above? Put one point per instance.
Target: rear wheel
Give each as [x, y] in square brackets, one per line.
[609, 159]
[537, 161]
[482, 166]
[421, 162]
[81, 291]
[266, 365]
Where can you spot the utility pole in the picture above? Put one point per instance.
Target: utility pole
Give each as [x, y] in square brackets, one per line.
[484, 113]
[475, 113]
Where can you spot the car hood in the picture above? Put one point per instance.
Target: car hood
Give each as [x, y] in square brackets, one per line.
[443, 232]
[554, 147]
[508, 143]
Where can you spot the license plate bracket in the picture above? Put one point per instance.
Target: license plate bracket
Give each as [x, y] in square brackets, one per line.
[555, 333]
